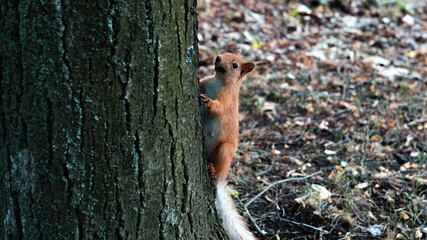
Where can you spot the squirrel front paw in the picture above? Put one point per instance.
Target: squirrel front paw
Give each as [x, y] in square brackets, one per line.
[204, 99]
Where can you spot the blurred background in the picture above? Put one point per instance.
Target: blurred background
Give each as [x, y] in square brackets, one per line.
[343, 95]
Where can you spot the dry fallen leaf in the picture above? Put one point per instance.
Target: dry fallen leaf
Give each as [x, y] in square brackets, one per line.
[375, 230]
[275, 152]
[324, 194]
[361, 185]
[376, 138]
[404, 215]
[393, 106]
[324, 125]
[409, 165]
[418, 234]
[317, 193]
[366, 194]
[330, 152]
[339, 168]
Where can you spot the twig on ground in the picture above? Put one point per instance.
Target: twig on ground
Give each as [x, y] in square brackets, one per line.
[294, 141]
[355, 235]
[262, 233]
[258, 174]
[303, 224]
[336, 114]
[421, 147]
[272, 161]
[279, 182]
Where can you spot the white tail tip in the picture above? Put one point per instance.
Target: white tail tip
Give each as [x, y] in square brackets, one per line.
[233, 223]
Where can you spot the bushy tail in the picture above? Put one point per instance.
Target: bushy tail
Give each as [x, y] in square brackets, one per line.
[234, 224]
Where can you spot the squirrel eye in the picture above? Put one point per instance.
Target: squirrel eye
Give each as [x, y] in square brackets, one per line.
[235, 65]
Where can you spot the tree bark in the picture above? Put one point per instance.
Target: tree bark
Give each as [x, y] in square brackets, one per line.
[100, 123]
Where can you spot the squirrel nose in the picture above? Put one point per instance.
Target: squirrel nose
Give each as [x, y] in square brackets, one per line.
[218, 59]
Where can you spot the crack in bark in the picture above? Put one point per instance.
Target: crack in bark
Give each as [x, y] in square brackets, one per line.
[15, 202]
[186, 190]
[124, 89]
[165, 181]
[162, 210]
[82, 125]
[156, 79]
[150, 27]
[107, 169]
[64, 46]
[127, 111]
[80, 222]
[17, 213]
[69, 79]
[172, 155]
[3, 112]
[187, 14]
[179, 47]
[22, 87]
[186, 178]
[196, 39]
[115, 28]
[70, 184]
[139, 180]
[49, 126]
[190, 218]
[118, 206]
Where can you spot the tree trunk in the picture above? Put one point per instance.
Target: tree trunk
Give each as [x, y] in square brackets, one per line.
[100, 123]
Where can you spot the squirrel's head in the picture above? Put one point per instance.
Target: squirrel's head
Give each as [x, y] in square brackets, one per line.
[231, 67]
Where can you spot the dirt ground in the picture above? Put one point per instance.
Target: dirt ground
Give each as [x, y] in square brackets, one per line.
[339, 109]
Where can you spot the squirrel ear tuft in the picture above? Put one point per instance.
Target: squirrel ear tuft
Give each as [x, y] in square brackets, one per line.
[247, 67]
[238, 51]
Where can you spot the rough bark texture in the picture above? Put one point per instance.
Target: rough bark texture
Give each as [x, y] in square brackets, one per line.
[100, 133]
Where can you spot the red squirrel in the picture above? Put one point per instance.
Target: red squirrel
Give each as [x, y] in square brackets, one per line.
[220, 123]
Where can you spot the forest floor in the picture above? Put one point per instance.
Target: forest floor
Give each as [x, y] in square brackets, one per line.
[339, 109]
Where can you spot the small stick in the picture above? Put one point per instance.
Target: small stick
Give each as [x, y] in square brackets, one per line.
[303, 224]
[336, 114]
[272, 161]
[263, 172]
[279, 182]
[262, 233]
[421, 147]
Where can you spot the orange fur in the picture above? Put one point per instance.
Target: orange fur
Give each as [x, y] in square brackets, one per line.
[220, 122]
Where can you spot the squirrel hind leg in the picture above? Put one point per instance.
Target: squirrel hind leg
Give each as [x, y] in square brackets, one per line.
[221, 159]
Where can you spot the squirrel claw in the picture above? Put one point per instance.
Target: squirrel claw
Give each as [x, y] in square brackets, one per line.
[204, 99]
